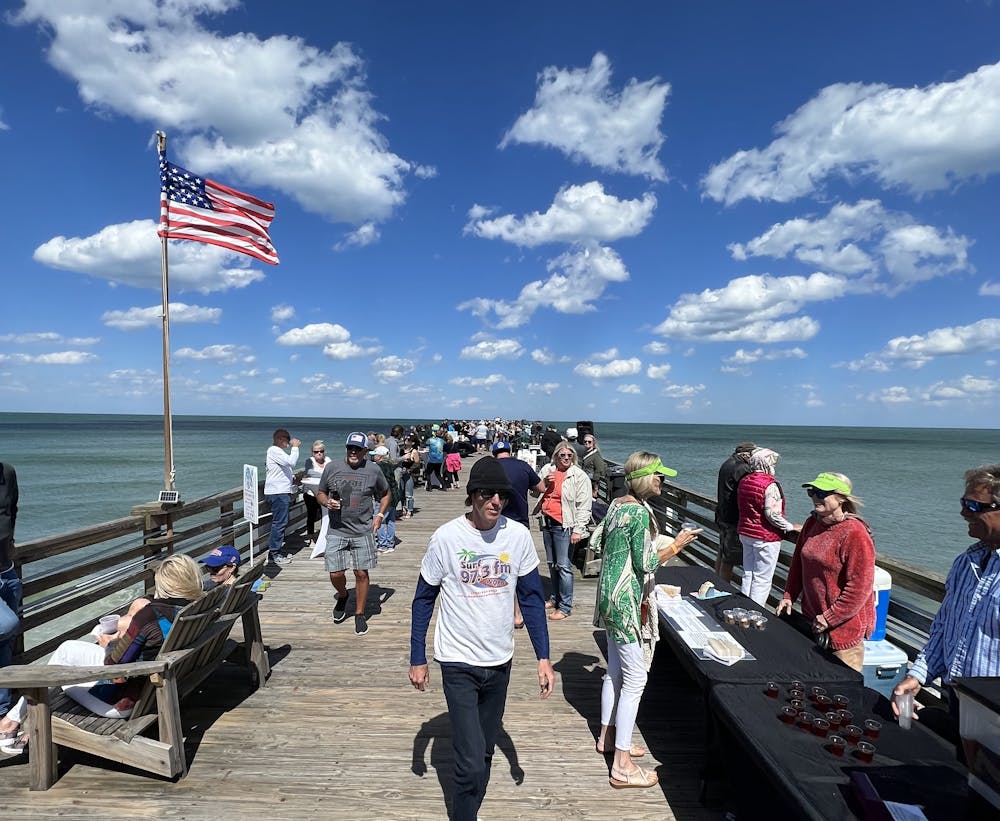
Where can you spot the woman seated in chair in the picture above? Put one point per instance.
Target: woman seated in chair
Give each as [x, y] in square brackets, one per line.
[178, 582]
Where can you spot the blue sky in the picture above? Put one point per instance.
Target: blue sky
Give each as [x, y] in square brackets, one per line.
[668, 211]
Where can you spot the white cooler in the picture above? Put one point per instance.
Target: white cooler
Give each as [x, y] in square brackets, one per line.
[885, 666]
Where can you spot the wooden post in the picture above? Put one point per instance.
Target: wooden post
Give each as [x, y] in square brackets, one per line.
[41, 750]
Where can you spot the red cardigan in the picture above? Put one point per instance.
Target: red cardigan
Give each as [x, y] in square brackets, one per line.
[833, 567]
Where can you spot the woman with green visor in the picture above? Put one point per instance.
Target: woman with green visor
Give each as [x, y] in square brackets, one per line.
[632, 550]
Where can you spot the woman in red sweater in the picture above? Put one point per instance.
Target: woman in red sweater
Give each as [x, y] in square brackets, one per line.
[833, 568]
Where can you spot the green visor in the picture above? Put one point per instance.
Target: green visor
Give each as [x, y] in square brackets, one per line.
[827, 481]
[649, 470]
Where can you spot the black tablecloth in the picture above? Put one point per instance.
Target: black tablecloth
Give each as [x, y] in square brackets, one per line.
[910, 766]
[780, 651]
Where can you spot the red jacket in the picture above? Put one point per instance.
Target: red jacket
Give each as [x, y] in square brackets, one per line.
[750, 500]
[833, 567]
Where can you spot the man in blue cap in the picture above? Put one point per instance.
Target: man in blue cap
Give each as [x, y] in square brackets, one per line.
[223, 566]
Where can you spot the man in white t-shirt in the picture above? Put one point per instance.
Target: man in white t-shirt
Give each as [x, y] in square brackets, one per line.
[478, 563]
[280, 475]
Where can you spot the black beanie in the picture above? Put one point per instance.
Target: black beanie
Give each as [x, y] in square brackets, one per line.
[488, 474]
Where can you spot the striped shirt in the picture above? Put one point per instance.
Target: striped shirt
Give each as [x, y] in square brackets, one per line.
[965, 635]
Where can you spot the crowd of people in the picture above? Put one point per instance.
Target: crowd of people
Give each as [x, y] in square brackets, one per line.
[482, 571]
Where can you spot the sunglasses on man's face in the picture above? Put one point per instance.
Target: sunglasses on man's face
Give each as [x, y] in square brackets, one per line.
[972, 506]
[488, 493]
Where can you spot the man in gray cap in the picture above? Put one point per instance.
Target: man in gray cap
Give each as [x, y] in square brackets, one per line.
[478, 563]
[727, 514]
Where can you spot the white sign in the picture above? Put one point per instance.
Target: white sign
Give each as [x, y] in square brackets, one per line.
[250, 503]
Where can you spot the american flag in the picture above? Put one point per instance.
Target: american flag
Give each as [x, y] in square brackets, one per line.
[199, 209]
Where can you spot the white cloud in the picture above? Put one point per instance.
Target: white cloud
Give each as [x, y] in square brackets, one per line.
[493, 349]
[604, 356]
[741, 357]
[478, 381]
[675, 391]
[55, 358]
[615, 368]
[548, 388]
[129, 254]
[577, 112]
[917, 139]
[321, 383]
[656, 348]
[543, 356]
[274, 113]
[578, 278]
[657, 371]
[917, 350]
[133, 319]
[48, 338]
[319, 333]
[749, 309]
[989, 289]
[365, 234]
[282, 313]
[629, 389]
[391, 368]
[217, 353]
[895, 395]
[348, 350]
[578, 213]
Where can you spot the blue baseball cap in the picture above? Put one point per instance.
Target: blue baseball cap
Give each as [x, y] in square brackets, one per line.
[227, 554]
[501, 445]
[357, 440]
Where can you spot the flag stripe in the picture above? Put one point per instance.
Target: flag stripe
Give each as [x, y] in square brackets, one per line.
[202, 210]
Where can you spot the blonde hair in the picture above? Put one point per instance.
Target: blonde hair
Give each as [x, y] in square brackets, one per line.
[851, 502]
[563, 445]
[644, 486]
[178, 577]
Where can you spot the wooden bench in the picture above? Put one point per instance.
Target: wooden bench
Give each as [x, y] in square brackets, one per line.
[197, 643]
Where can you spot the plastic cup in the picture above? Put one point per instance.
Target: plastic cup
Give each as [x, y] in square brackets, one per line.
[841, 702]
[772, 689]
[690, 526]
[796, 685]
[904, 703]
[806, 721]
[109, 624]
[760, 622]
[834, 718]
[787, 714]
[816, 691]
[820, 727]
[727, 617]
[865, 751]
[853, 733]
[836, 744]
[796, 693]
[872, 727]
[823, 702]
[797, 704]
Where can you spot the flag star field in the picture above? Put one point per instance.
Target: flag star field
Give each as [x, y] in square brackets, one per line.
[705, 212]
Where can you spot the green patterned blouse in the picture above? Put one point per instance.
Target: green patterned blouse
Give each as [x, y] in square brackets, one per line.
[628, 555]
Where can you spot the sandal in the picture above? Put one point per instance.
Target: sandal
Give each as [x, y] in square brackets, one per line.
[550, 605]
[635, 751]
[636, 778]
[558, 615]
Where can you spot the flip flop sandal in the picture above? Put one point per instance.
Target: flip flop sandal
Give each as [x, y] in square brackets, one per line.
[558, 615]
[550, 605]
[635, 751]
[638, 778]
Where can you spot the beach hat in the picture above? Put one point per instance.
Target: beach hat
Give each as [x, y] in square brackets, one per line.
[571, 433]
[357, 440]
[745, 447]
[381, 450]
[435, 427]
[227, 554]
[488, 474]
[501, 445]
[827, 481]
[649, 470]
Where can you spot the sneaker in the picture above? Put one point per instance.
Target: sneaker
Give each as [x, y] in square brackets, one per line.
[20, 744]
[340, 610]
[281, 559]
[388, 550]
[360, 625]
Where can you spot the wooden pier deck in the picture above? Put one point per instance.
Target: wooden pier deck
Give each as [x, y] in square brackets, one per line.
[339, 733]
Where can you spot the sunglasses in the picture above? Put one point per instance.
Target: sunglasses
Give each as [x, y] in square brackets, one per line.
[564, 455]
[818, 494]
[319, 451]
[488, 493]
[972, 506]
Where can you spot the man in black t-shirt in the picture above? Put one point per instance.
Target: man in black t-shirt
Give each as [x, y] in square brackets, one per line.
[727, 515]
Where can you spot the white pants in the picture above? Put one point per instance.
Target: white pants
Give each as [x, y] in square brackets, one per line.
[759, 560]
[75, 654]
[622, 690]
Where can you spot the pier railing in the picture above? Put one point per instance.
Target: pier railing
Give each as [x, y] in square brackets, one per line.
[73, 578]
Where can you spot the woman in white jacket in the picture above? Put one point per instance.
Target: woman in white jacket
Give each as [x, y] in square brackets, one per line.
[565, 508]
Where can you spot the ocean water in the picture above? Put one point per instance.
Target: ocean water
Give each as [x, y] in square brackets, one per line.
[76, 470]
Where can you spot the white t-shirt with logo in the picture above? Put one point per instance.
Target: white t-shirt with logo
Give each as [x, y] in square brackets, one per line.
[477, 571]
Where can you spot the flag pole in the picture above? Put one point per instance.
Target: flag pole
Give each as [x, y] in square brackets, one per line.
[168, 425]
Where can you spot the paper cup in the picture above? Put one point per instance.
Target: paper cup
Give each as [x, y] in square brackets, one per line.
[109, 624]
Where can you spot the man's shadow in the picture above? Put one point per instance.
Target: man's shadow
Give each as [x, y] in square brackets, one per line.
[436, 733]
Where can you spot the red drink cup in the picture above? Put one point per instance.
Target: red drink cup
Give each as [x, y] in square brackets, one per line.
[817, 691]
[846, 717]
[853, 733]
[796, 685]
[836, 745]
[834, 718]
[872, 727]
[806, 721]
[772, 690]
[797, 704]
[795, 692]
[865, 751]
[823, 702]
[820, 727]
[841, 702]
[787, 714]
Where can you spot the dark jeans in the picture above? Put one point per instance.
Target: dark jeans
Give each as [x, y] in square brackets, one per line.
[10, 624]
[314, 513]
[280, 502]
[476, 699]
